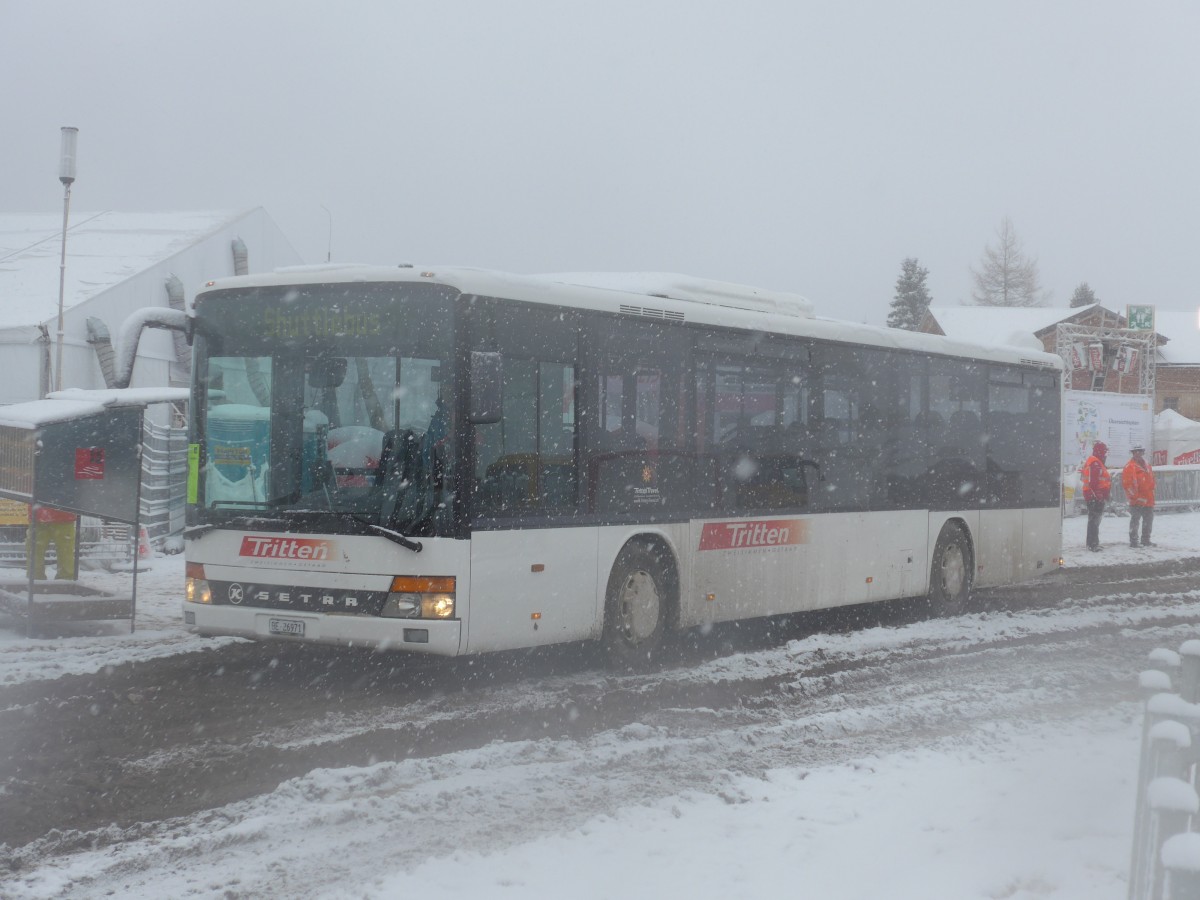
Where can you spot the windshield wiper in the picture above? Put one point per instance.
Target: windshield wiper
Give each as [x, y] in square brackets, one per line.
[393, 536]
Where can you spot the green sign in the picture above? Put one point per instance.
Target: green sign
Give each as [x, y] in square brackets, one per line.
[1140, 318]
[193, 478]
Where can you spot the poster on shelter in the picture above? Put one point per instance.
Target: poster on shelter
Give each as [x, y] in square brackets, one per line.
[13, 512]
[1122, 421]
[89, 463]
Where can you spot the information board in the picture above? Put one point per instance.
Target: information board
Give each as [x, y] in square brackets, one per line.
[1122, 421]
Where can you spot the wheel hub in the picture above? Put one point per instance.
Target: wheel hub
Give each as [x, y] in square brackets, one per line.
[639, 606]
[954, 571]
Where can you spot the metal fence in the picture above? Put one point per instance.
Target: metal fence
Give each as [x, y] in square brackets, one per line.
[1175, 487]
[164, 481]
[1165, 863]
[100, 543]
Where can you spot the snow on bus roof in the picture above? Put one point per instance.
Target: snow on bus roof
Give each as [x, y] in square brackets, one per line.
[712, 302]
[674, 286]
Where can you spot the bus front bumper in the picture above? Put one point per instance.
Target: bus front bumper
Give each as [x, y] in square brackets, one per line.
[439, 637]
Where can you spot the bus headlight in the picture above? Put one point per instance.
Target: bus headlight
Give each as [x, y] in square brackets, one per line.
[195, 586]
[420, 597]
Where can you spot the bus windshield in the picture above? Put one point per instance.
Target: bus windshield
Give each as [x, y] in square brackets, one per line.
[326, 400]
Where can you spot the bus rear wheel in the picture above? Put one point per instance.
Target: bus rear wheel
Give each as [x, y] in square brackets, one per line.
[950, 574]
[639, 605]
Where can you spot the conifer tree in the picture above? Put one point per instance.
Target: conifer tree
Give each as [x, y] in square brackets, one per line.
[912, 297]
[1006, 277]
[1083, 296]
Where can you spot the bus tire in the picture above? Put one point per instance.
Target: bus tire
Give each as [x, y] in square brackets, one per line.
[639, 605]
[950, 573]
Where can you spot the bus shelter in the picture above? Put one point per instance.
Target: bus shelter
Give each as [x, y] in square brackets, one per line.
[79, 456]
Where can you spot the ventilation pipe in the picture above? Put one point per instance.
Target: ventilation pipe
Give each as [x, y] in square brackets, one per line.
[43, 338]
[101, 341]
[131, 333]
[241, 257]
[258, 381]
[183, 353]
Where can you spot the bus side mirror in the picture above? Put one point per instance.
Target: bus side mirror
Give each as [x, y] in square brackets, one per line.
[487, 387]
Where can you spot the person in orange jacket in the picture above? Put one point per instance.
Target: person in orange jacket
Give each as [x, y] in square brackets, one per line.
[57, 527]
[1096, 486]
[1138, 480]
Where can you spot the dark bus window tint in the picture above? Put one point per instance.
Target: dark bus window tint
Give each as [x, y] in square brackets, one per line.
[753, 424]
[525, 464]
[1023, 438]
[1008, 416]
[899, 386]
[956, 434]
[1044, 450]
[638, 454]
[855, 405]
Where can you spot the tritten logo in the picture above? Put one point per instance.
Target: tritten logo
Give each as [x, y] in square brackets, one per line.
[264, 547]
[753, 535]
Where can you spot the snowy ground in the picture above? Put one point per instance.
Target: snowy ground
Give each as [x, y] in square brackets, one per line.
[1021, 809]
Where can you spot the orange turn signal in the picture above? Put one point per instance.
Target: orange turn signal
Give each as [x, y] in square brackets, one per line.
[422, 584]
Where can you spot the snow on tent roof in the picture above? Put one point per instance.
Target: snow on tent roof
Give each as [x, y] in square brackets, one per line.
[103, 249]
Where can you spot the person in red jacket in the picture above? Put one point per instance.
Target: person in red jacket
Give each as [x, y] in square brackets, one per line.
[53, 527]
[1096, 486]
[1138, 480]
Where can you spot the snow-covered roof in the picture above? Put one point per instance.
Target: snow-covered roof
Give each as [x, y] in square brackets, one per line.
[987, 324]
[1183, 330]
[36, 413]
[74, 403]
[139, 396]
[103, 249]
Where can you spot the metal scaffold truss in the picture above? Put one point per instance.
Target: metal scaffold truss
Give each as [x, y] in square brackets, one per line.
[1102, 350]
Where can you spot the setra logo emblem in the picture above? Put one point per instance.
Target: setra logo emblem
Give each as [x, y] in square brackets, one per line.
[235, 593]
[753, 535]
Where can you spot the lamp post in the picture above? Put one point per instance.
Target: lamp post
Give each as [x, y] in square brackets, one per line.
[66, 174]
[329, 246]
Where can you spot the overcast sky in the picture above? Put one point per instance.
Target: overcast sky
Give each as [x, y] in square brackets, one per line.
[797, 146]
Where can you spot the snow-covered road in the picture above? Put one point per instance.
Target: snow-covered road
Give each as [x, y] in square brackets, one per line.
[991, 755]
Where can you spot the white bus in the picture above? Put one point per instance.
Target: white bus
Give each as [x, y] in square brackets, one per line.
[457, 461]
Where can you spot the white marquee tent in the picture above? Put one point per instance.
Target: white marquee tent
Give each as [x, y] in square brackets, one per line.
[116, 263]
[1176, 439]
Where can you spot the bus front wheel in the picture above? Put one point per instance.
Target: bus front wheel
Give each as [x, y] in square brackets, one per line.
[950, 574]
[639, 603]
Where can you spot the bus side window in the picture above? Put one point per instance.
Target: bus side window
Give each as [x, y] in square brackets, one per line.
[525, 463]
[751, 415]
[638, 448]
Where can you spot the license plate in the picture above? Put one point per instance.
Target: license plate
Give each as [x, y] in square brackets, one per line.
[286, 626]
